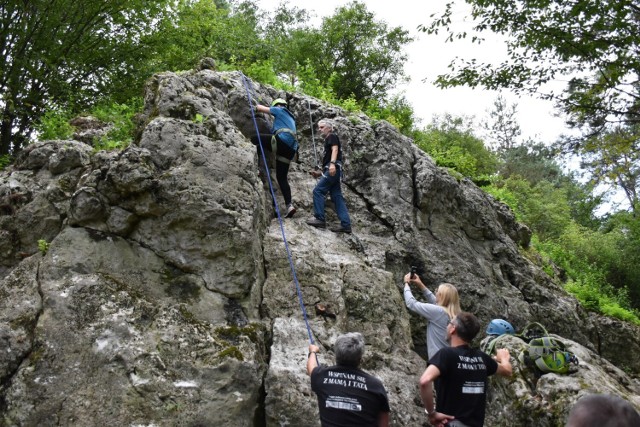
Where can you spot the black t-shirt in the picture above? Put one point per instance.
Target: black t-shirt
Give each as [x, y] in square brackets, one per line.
[462, 389]
[348, 397]
[329, 141]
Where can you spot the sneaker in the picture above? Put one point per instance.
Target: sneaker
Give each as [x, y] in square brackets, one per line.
[341, 229]
[291, 210]
[315, 222]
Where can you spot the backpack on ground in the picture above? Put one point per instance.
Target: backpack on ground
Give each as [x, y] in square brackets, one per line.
[544, 353]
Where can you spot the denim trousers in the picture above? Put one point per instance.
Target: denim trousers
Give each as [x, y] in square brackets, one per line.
[330, 184]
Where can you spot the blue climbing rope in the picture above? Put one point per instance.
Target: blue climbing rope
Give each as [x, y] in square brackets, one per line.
[275, 202]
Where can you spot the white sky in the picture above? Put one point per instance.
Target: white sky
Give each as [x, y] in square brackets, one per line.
[429, 56]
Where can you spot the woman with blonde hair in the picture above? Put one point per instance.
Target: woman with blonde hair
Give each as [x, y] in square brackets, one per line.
[440, 309]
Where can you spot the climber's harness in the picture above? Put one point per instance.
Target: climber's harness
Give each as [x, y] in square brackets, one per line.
[274, 145]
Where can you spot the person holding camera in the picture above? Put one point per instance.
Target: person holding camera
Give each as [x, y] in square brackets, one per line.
[439, 309]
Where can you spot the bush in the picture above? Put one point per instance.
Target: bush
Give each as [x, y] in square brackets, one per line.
[54, 124]
[122, 118]
[5, 160]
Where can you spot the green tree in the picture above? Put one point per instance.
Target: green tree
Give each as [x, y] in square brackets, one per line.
[291, 42]
[61, 53]
[359, 56]
[595, 44]
[502, 127]
[397, 111]
[451, 143]
[534, 161]
[542, 206]
[195, 29]
[613, 158]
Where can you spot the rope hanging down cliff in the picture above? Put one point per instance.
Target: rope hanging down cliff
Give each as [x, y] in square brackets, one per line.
[275, 203]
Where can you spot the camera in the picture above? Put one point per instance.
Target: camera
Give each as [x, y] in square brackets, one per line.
[413, 271]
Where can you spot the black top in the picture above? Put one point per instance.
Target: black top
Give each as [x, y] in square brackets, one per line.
[329, 141]
[348, 397]
[462, 389]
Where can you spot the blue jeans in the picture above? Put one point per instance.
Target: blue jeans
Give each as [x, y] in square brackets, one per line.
[330, 184]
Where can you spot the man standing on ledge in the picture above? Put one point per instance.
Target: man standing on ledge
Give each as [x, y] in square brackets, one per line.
[329, 181]
[347, 396]
[463, 373]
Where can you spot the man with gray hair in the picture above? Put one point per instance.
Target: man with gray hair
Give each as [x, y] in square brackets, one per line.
[347, 396]
[329, 182]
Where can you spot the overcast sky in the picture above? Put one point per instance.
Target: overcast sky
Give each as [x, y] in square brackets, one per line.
[429, 56]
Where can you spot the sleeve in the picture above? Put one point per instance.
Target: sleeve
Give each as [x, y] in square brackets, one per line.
[430, 296]
[429, 311]
[316, 378]
[332, 139]
[439, 360]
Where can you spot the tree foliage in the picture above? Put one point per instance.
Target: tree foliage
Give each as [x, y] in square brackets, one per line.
[596, 44]
[65, 53]
[451, 143]
[613, 159]
[361, 57]
[195, 29]
[502, 127]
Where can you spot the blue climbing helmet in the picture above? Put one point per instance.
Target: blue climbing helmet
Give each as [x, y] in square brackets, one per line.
[499, 327]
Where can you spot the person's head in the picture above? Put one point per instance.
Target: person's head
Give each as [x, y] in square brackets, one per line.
[447, 297]
[603, 410]
[349, 349]
[465, 325]
[325, 126]
[279, 102]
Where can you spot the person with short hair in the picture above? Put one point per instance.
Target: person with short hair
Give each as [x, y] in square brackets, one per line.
[330, 177]
[463, 373]
[283, 139]
[347, 395]
[439, 310]
[603, 410]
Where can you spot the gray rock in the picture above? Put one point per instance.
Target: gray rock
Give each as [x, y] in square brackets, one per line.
[166, 295]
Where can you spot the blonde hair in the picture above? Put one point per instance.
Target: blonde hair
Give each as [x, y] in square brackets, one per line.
[449, 299]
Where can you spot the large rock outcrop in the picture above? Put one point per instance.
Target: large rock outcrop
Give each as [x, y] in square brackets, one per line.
[153, 286]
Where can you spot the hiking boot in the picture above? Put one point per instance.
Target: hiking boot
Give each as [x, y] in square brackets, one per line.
[315, 222]
[291, 210]
[341, 229]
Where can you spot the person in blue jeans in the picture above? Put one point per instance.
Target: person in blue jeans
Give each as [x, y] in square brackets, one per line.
[329, 182]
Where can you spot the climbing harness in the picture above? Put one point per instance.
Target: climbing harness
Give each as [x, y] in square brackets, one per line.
[274, 145]
[275, 203]
[313, 139]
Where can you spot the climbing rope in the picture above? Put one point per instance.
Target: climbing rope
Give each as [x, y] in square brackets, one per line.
[313, 139]
[275, 202]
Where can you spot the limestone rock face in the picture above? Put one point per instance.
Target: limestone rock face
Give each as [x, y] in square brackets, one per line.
[153, 286]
